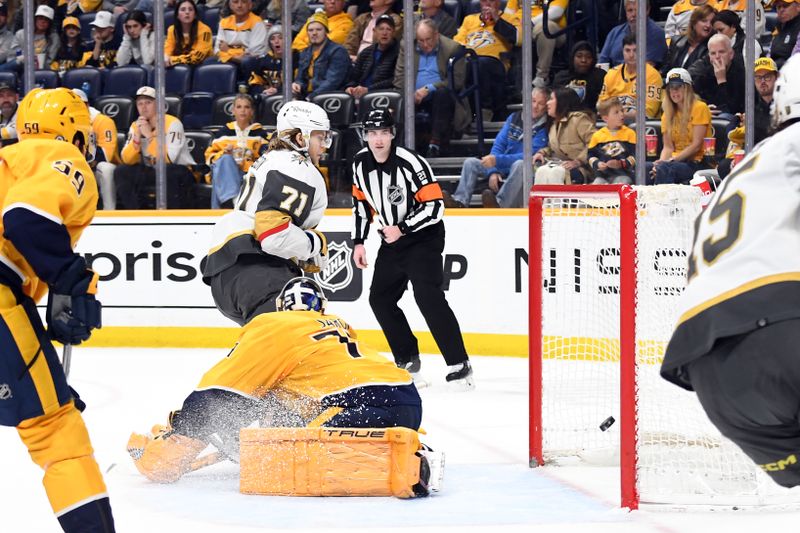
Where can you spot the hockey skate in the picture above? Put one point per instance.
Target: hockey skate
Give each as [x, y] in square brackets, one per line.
[414, 367]
[459, 377]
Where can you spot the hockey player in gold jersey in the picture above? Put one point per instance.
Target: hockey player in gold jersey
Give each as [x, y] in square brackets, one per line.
[49, 196]
[298, 366]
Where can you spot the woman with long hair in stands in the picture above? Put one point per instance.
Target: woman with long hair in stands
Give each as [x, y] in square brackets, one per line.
[685, 124]
[189, 41]
[692, 46]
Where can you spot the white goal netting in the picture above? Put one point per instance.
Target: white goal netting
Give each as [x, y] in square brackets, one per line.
[682, 458]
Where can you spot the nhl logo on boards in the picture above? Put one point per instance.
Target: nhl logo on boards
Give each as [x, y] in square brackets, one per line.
[338, 272]
[395, 195]
[5, 392]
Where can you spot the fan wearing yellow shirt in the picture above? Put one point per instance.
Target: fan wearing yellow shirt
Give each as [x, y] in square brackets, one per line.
[621, 82]
[556, 19]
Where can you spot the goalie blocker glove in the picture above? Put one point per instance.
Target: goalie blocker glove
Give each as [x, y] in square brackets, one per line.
[72, 309]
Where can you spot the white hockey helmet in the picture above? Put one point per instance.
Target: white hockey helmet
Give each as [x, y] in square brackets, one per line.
[305, 116]
[786, 98]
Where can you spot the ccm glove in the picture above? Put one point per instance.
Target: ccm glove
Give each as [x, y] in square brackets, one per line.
[72, 309]
[319, 252]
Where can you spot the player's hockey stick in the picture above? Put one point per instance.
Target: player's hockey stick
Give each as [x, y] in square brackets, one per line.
[66, 359]
[207, 460]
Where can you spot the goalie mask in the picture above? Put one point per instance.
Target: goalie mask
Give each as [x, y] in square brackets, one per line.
[301, 294]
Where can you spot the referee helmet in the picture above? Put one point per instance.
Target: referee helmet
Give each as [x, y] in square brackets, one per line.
[377, 119]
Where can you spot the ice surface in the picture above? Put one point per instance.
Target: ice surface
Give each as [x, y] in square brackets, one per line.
[487, 487]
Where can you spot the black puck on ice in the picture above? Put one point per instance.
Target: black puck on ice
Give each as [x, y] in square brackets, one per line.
[607, 423]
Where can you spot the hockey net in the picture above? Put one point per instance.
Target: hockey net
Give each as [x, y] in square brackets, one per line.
[607, 265]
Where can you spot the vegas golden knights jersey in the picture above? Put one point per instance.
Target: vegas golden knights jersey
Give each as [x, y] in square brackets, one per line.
[744, 266]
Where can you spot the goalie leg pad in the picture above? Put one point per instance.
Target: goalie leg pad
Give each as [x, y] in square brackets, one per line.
[163, 456]
[332, 462]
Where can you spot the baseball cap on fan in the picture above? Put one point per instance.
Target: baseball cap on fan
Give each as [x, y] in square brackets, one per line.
[81, 95]
[147, 92]
[45, 11]
[103, 19]
[677, 77]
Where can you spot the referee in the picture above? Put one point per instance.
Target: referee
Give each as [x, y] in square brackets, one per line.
[398, 185]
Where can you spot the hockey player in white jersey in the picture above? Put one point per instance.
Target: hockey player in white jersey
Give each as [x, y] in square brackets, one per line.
[269, 237]
[737, 342]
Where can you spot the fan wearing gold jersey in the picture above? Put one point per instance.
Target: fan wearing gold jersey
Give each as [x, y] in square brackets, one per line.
[621, 82]
[298, 365]
[49, 197]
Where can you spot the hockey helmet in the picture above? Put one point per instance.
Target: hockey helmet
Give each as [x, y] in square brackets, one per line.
[377, 119]
[786, 98]
[56, 114]
[301, 294]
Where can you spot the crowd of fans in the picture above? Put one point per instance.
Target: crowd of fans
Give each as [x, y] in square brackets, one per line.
[584, 98]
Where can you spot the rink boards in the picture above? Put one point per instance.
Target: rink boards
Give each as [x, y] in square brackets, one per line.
[153, 294]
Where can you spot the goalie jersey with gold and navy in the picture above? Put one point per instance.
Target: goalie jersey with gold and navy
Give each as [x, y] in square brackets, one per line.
[312, 359]
[49, 196]
[282, 196]
[744, 265]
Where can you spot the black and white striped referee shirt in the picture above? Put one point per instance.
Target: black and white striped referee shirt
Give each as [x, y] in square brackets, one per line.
[402, 191]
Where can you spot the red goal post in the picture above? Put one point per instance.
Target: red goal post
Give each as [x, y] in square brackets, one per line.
[607, 266]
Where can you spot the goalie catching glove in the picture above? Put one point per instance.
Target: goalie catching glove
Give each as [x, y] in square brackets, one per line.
[163, 456]
[72, 309]
[318, 259]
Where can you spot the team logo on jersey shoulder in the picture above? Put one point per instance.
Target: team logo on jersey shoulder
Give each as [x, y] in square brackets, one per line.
[297, 157]
[5, 391]
[395, 194]
[338, 272]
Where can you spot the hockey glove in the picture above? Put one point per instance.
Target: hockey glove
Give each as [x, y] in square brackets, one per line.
[319, 253]
[72, 310]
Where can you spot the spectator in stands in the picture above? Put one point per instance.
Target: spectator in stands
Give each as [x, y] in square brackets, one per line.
[360, 35]
[739, 7]
[8, 113]
[45, 42]
[104, 50]
[7, 52]
[374, 68]
[72, 50]
[119, 7]
[492, 35]
[766, 73]
[545, 46]
[719, 78]
[431, 87]
[138, 43]
[501, 171]
[136, 173]
[241, 38]
[570, 132]
[106, 157]
[188, 39]
[611, 54]
[339, 23]
[300, 13]
[686, 122]
[583, 76]
[234, 149]
[267, 78]
[75, 8]
[785, 33]
[322, 67]
[686, 50]
[612, 149]
[434, 10]
[726, 22]
[678, 18]
[621, 82]
[19, 12]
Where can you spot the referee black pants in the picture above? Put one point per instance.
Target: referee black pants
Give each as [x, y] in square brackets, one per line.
[416, 257]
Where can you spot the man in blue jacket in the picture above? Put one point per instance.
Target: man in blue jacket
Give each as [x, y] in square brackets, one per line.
[322, 67]
[611, 54]
[502, 169]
